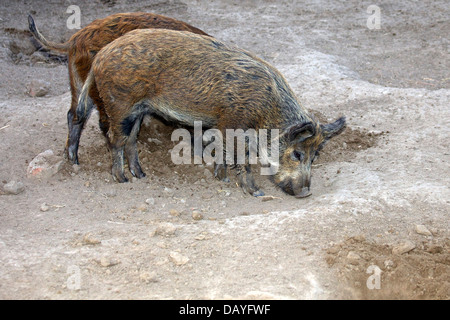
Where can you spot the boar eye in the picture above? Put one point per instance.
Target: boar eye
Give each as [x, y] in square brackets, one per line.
[297, 156]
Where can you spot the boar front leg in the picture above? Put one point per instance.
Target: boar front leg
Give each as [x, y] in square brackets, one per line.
[221, 176]
[246, 180]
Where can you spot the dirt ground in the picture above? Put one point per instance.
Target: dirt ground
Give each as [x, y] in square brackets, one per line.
[376, 226]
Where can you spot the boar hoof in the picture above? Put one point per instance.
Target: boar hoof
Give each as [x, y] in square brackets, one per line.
[71, 155]
[137, 172]
[120, 178]
[258, 193]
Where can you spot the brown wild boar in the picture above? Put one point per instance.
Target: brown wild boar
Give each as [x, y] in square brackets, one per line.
[183, 77]
[81, 49]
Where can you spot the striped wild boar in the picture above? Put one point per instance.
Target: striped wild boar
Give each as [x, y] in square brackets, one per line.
[81, 49]
[183, 77]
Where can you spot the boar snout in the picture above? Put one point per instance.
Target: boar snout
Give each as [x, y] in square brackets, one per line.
[303, 193]
[302, 189]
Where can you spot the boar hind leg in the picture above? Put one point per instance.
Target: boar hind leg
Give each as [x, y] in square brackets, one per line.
[103, 121]
[246, 180]
[118, 163]
[73, 139]
[133, 125]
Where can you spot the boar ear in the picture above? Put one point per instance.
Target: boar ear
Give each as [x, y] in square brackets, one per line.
[333, 129]
[301, 131]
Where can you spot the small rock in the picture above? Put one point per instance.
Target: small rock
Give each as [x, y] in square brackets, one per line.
[88, 239]
[142, 207]
[203, 236]
[404, 247]
[334, 249]
[44, 207]
[207, 196]
[107, 262]
[165, 229]
[38, 88]
[147, 277]
[44, 165]
[38, 57]
[353, 258]
[174, 212]
[196, 215]
[267, 198]
[434, 249]
[13, 187]
[168, 190]
[150, 201]
[110, 193]
[389, 264]
[421, 229]
[178, 258]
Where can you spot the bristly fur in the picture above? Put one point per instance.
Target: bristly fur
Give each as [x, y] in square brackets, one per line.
[184, 77]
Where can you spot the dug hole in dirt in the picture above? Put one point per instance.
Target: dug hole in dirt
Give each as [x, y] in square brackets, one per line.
[375, 227]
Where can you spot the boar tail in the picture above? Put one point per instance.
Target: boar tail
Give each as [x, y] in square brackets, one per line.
[85, 103]
[59, 47]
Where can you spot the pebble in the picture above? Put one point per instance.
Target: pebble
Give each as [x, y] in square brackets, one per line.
[421, 229]
[389, 264]
[196, 215]
[44, 165]
[37, 57]
[107, 262]
[165, 229]
[403, 247]
[89, 239]
[13, 187]
[148, 277]
[267, 198]
[168, 190]
[353, 258]
[177, 258]
[38, 88]
[174, 213]
[142, 207]
[44, 207]
[150, 201]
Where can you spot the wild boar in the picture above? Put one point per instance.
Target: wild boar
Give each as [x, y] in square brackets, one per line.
[184, 77]
[81, 49]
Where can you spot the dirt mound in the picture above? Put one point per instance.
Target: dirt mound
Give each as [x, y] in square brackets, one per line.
[421, 273]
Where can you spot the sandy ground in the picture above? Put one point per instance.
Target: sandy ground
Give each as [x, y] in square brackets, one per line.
[376, 226]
